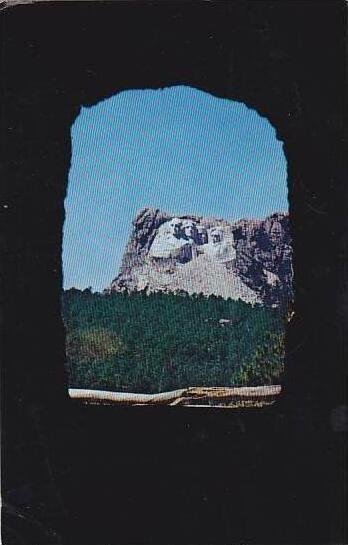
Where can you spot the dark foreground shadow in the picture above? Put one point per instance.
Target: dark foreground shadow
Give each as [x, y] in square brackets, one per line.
[75, 474]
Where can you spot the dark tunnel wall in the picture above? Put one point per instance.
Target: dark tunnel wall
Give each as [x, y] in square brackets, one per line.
[285, 59]
[248, 52]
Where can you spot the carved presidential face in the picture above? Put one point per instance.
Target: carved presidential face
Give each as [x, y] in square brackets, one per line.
[216, 235]
[202, 235]
[174, 226]
[189, 229]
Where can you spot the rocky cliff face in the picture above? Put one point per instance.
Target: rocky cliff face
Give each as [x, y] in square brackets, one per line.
[247, 259]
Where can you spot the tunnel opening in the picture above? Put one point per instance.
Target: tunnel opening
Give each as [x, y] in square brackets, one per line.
[177, 253]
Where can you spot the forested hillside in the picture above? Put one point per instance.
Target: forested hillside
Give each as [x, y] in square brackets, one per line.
[138, 342]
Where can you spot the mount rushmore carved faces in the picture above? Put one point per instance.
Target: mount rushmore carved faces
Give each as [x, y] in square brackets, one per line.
[189, 230]
[171, 241]
[179, 238]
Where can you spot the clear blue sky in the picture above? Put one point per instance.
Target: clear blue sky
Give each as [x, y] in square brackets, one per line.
[178, 149]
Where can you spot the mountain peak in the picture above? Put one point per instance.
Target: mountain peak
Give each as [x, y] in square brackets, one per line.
[245, 259]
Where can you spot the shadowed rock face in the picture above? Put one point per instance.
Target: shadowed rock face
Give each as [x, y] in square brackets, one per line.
[264, 256]
[248, 259]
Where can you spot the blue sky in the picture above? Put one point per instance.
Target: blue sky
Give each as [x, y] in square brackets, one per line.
[178, 149]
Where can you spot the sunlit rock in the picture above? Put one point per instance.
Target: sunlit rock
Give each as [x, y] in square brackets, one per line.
[247, 259]
[170, 243]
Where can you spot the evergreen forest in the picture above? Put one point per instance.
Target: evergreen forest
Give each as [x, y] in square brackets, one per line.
[150, 343]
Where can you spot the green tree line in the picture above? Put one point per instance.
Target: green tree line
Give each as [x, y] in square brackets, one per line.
[139, 342]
